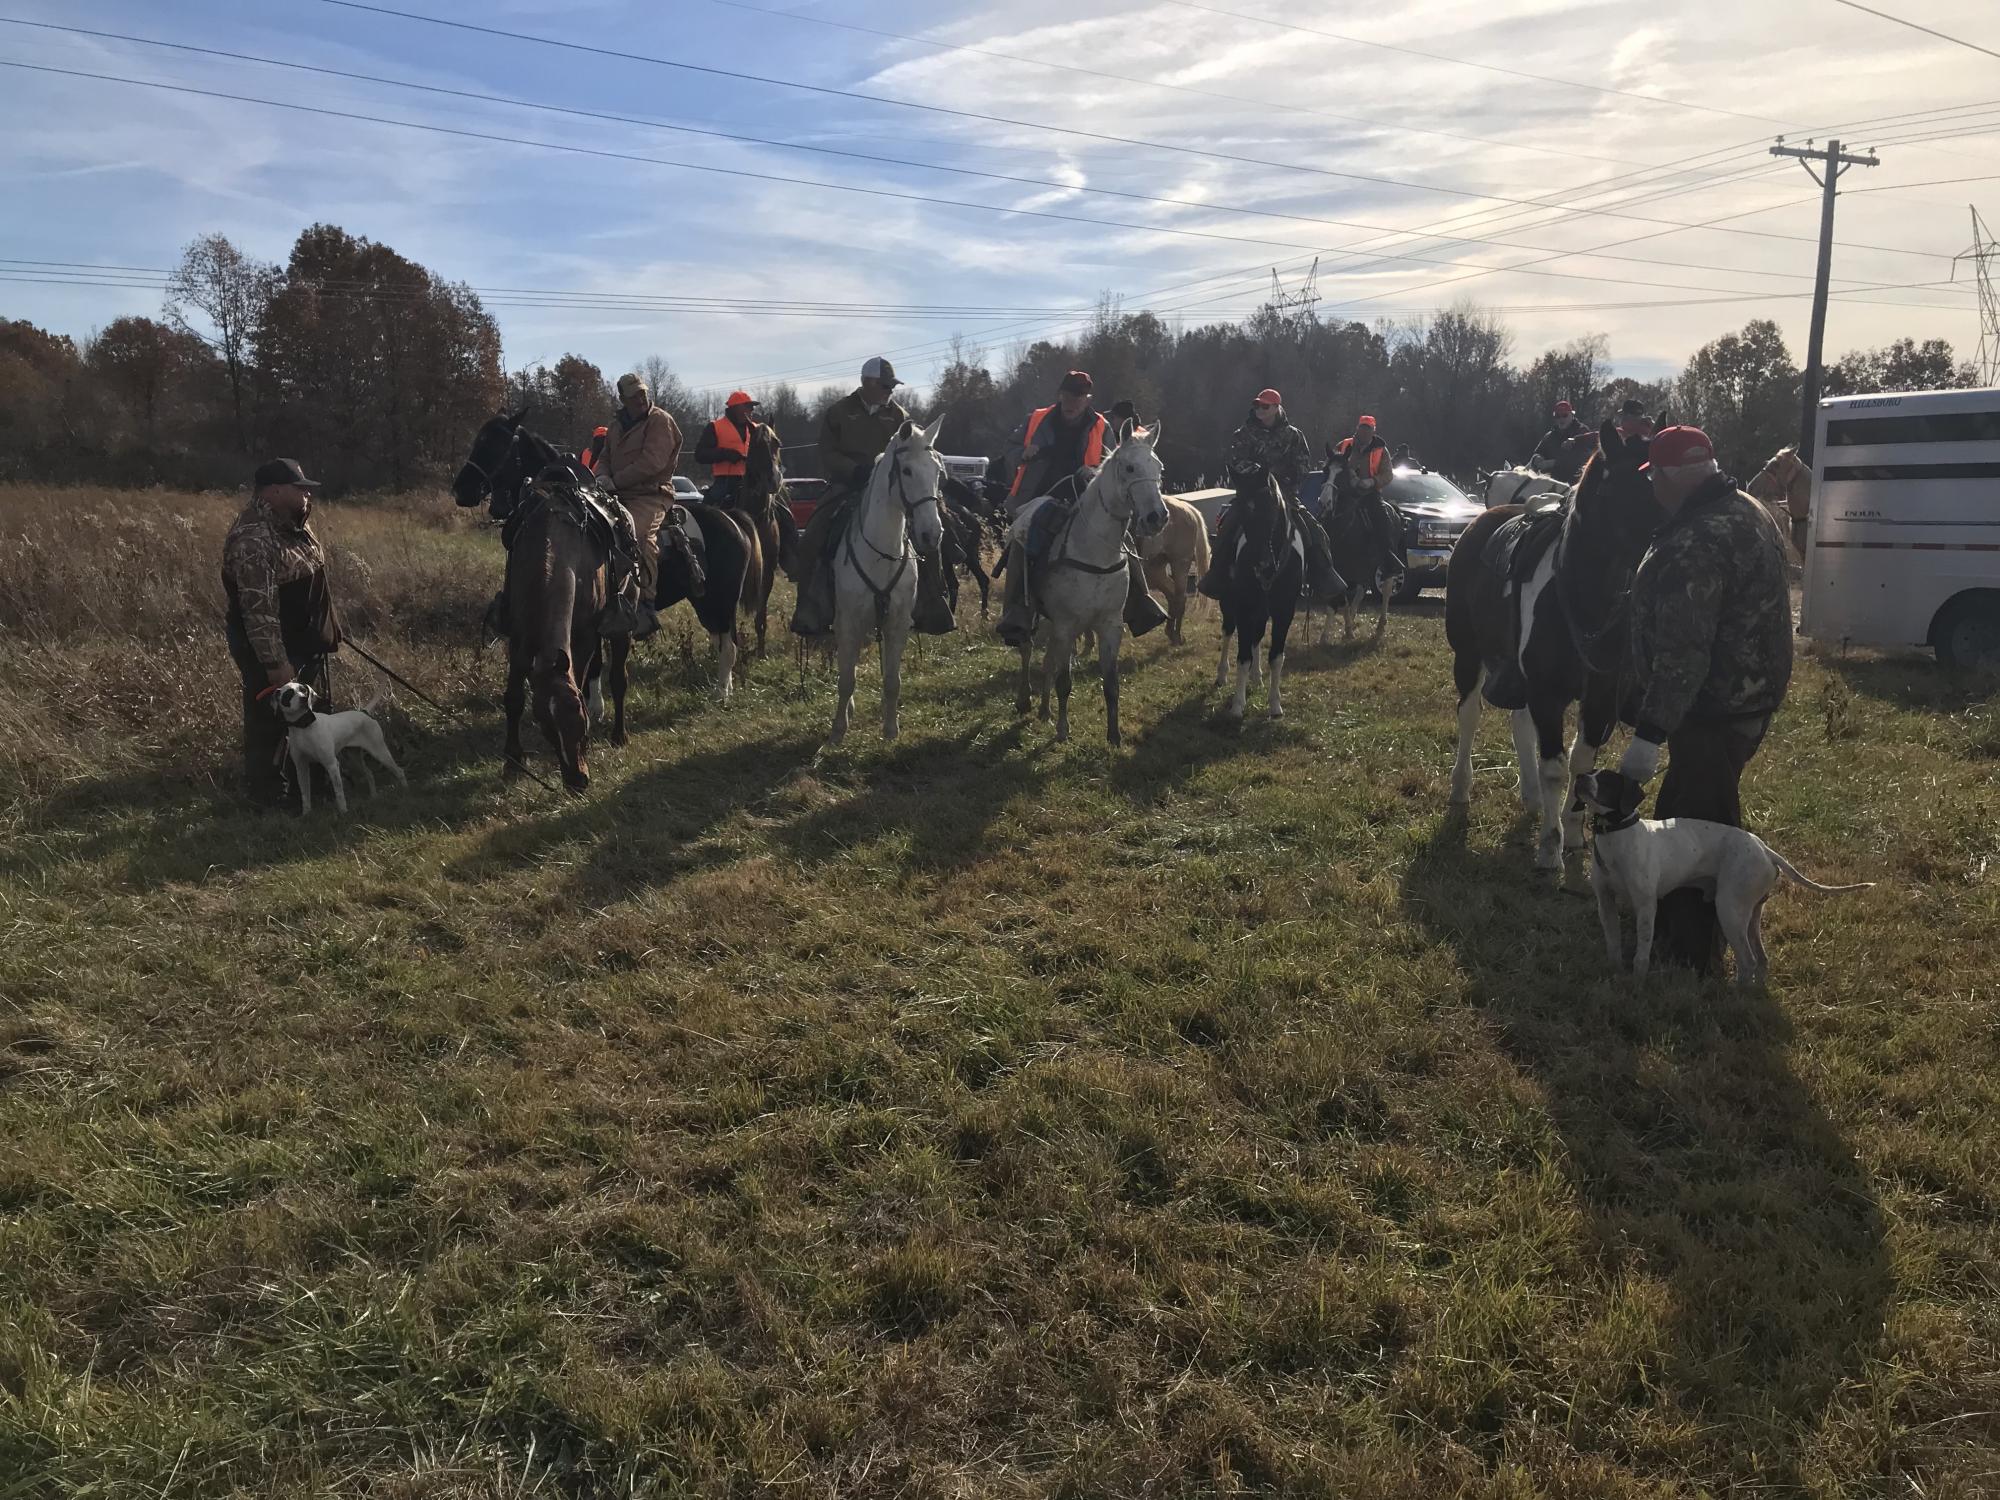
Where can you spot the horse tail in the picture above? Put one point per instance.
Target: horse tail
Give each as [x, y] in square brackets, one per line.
[1202, 556]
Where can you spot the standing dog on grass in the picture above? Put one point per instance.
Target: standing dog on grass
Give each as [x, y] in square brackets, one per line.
[1634, 861]
[316, 739]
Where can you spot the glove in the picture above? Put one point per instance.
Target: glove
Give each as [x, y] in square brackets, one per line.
[1640, 762]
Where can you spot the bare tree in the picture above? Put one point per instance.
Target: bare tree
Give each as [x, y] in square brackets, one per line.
[228, 292]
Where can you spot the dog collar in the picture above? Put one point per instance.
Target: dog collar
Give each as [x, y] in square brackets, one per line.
[1618, 825]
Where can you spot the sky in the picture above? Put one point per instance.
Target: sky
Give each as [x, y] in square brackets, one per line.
[1415, 150]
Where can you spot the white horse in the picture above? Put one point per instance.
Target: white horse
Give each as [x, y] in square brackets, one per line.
[1518, 485]
[875, 569]
[1082, 585]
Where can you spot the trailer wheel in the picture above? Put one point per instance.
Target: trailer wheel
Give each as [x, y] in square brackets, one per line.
[1967, 634]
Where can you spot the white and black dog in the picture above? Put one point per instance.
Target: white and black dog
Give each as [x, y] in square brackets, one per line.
[1635, 861]
[317, 739]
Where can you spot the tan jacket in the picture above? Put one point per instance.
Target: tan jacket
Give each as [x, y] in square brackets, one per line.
[851, 438]
[643, 457]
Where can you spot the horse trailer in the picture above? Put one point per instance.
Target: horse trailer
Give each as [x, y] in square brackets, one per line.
[1903, 545]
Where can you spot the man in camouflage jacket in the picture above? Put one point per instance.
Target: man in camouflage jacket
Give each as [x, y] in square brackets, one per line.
[1711, 656]
[280, 622]
[1268, 440]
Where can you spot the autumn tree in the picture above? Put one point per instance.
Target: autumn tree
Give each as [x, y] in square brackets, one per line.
[1743, 391]
[219, 294]
[1904, 365]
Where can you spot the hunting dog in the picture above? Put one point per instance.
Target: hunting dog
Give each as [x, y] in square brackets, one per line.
[1635, 861]
[316, 739]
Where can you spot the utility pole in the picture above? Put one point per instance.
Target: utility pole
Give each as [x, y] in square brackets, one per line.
[1832, 164]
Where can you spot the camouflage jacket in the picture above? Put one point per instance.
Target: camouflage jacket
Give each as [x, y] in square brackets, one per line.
[1711, 615]
[262, 558]
[1281, 448]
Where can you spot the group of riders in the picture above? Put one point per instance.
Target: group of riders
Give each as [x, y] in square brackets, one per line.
[1054, 453]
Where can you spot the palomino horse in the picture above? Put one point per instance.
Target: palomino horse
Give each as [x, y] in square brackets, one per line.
[875, 568]
[756, 510]
[1082, 583]
[1265, 581]
[1175, 553]
[1567, 637]
[1782, 488]
[557, 586]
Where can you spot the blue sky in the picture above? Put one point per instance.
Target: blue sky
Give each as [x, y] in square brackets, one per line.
[112, 174]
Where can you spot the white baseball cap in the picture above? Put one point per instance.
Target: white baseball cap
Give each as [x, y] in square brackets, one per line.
[880, 369]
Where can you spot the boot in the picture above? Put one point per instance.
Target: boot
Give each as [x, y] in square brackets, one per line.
[494, 626]
[1017, 621]
[628, 613]
[1142, 611]
[814, 615]
[1215, 582]
[788, 543]
[933, 612]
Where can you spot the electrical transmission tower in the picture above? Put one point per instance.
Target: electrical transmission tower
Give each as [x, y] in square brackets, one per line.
[1985, 250]
[1295, 309]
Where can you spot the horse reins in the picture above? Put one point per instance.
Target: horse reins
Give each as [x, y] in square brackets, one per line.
[902, 562]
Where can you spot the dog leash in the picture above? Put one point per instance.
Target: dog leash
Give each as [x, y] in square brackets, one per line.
[401, 681]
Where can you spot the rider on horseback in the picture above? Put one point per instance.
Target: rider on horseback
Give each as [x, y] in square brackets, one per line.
[1268, 440]
[1565, 447]
[1061, 448]
[853, 434]
[724, 445]
[1359, 482]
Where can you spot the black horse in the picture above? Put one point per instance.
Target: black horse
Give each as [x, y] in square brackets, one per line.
[1535, 611]
[1265, 580]
[966, 516]
[558, 560]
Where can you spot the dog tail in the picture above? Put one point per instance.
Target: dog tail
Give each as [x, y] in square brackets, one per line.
[383, 697]
[1786, 867]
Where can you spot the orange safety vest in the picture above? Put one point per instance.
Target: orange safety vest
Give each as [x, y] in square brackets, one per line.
[1093, 446]
[588, 458]
[1376, 457]
[729, 440]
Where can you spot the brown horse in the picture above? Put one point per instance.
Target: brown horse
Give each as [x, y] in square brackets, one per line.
[756, 510]
[557, 586]
[1172, 554]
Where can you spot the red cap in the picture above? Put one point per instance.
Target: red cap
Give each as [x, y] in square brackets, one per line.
[1269, 397]
[1365, 422]
[1673, 447]
[741, 398]
[1076, 383]
[1564, 409]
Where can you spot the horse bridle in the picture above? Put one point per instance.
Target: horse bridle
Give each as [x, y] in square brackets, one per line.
[910, 507]
[1064, 560]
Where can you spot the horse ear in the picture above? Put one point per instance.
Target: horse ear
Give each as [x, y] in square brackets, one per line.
[903, 432]
[514, 419]
[1152, 434]
[931, 432]
[1126, 427]
[1607, 435]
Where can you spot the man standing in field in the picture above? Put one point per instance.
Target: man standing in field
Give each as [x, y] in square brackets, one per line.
[280, 622]
[642, 448]
[1712, 656]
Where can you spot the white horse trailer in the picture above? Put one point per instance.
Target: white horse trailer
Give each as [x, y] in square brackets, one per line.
[1904, 543]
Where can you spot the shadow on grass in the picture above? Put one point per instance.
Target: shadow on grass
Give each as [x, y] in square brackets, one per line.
[1696, 1151]
[1916, 682]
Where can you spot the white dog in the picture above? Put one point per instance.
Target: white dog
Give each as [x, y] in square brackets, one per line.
[1635, 861]
[317, 739]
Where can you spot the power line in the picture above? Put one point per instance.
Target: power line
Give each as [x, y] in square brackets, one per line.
[620, 119]
[1914, 26]
[931, 199]
[1159, 83]
[1241, 160]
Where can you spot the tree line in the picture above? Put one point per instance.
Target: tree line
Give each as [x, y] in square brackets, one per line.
[374, 371]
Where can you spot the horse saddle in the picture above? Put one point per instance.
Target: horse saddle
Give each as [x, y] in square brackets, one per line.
[1517, 547]
[1512, 554]
[1046, 528]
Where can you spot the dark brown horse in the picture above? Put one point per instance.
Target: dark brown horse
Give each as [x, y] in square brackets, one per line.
[756, 510]
[557, 586]
[1537, 630]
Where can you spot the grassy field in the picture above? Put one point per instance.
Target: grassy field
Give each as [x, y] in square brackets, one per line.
[972, 1117]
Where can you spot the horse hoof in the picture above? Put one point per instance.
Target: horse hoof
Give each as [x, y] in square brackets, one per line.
[617, 737]
[1277, 713]
[1548, 859]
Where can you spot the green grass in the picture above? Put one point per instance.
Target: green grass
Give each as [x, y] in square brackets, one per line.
[973, 1116]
